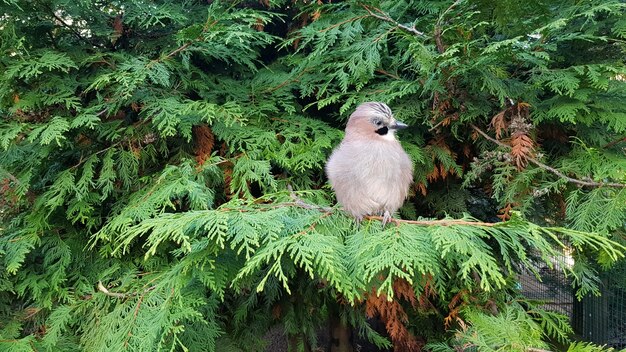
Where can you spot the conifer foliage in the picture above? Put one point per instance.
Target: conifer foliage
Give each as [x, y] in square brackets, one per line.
[162, 185]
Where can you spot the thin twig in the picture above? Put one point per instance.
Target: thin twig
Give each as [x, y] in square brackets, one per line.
[73, 30]
[101, 113]
[437, 125]
[381, 15]
[342, 22]
[384, 34]
[82, 160]
[444, 222]
[116, 144]
[287, 81]
[302, 204]
[441, 48]
[440, 19]
[381, 71]
[179, 49]
[609, 145]
[173, 53]
[550, 168]
[313, 225]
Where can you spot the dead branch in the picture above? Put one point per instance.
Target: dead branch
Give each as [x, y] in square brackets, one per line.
[550, 168]
[381, 15]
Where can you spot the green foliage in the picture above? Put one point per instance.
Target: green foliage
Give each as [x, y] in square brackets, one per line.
[511, 330]
[147, 149]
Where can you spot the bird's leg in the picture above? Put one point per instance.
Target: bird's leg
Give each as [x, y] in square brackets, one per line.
[386, 218]
[358, 220]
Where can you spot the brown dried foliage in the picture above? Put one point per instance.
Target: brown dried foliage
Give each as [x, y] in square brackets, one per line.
[467, 150]
[455, 305]
[505, 213]
[8, 198]
[118, 29]
[424, 299]
[522, 145]
[420, 187]
[499, 123]
[507, 118]
[394, 317]
[228, 178]
[204, 143]
[523, 148]
[474, 135]
[439, 171]
[259, 26]
[317, 13]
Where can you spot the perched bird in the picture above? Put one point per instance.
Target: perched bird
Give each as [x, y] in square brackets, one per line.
[369, 170]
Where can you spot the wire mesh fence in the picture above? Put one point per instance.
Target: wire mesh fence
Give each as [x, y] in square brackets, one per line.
[599, 319]
[602, 319]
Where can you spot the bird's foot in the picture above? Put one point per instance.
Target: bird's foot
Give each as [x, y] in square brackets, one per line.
[386, 218]
[358, 220]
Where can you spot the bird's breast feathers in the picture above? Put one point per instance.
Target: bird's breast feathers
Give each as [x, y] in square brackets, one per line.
[373, 162]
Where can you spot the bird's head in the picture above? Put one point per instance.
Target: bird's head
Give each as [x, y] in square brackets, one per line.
[373, 120]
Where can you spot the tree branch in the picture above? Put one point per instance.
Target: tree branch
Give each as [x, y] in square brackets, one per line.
[617, 141]
[298, 202]
[381, 71]
[381, 15]
[550, 168]
[440, 19]
[287, 81]
[74, 31]
[441, 48]
[445, 222]
[342, 22]
[205, 28]
[302, 204]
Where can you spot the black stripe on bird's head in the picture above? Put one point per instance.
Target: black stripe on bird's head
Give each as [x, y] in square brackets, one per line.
[382, 131]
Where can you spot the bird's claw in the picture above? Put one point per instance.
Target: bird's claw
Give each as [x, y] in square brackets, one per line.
[386, 218]
[358, 220]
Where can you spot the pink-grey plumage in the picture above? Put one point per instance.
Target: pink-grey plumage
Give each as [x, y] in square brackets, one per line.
[369, 170]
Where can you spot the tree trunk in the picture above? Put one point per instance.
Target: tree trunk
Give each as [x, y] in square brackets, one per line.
[340, 334]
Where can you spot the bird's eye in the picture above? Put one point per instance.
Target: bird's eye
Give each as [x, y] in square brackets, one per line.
[378, 122]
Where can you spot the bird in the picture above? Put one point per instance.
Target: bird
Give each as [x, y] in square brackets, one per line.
[369, 170]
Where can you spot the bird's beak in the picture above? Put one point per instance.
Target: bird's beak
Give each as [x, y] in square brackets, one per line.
[398, 125]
